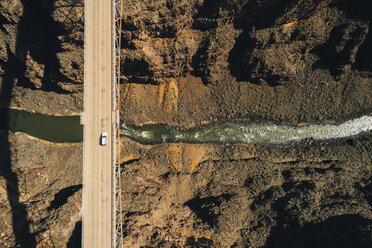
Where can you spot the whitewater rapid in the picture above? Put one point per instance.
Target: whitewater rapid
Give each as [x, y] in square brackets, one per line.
[230, 132]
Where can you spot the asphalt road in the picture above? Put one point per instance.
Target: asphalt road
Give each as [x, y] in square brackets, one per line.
[97, 118]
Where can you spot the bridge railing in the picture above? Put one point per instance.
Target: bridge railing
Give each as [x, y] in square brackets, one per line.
[118, 226]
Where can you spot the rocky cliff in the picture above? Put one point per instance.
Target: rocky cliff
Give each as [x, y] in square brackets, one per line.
[40, 192]
[189, 63]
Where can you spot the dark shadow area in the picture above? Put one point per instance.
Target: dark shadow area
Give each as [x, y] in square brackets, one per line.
[137, 70]
[131, 161]
[290, 232]
[335, 232]
[38, 35]
[62, 196]
[359, 10]
[345, 39]
[246, 16]
[212, 13]
[255, 15]
[270, 13]
[75, 239]
[294, 190]
[3, 21]
[293, 195]
[364, 54]
[192, 242]
[262, 14]
[337, 51]
[199, 62]
[365, 187]
[330, 58]
[356, 9]
[244, 59]
[208, 209]
[246, 67]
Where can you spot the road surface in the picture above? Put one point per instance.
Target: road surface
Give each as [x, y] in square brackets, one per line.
[97, 118]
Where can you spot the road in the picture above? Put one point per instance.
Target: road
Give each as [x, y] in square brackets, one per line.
[97, 118]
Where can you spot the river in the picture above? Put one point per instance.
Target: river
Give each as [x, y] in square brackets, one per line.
[68, 129]
[46, 127]
[231, 132]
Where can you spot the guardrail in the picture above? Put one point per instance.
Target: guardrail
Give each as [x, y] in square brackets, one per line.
[117, 222]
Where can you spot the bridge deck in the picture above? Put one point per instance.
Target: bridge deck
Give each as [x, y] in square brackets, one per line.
[98, 168]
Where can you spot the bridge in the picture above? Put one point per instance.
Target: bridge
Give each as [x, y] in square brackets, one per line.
[101, 173]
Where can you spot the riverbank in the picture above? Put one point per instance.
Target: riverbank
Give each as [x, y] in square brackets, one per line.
[46, 103]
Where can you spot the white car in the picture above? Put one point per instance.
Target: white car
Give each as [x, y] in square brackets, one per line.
[103, 140]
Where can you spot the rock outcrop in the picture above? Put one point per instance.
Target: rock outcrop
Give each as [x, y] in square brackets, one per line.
[40, 192]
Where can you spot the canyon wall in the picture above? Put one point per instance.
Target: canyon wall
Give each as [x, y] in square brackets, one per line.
[188, 63]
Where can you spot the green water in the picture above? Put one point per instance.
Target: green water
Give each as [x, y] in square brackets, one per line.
[50, 128]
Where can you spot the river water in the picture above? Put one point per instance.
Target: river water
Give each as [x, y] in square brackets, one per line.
[68, 129]
[46, 127]
[230, 132]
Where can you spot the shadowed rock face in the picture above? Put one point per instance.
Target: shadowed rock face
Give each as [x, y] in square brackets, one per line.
[337, 231]
[41, 54]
